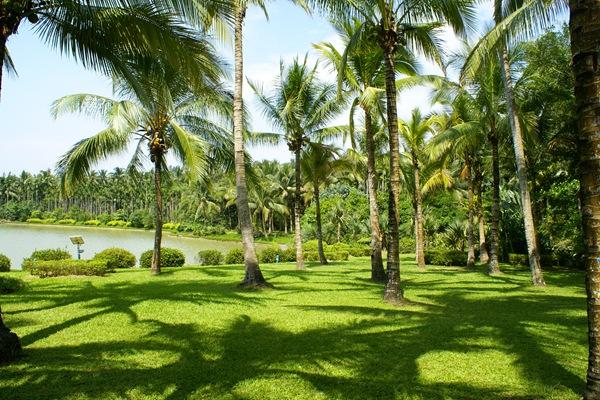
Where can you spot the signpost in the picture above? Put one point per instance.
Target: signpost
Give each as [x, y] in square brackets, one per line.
[78, 241]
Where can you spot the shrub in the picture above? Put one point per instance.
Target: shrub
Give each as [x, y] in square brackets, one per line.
[66, 222]
[407, 244]
[168, 258]
[360, 251]
[310, 245]
[93, 222]
[35, 221]
[235, 256]
[338, 247]
[288, 255]
[170, 226]
[116, 258]
[45, 269]
[518, 259]
[50, 255]
[4, 263]
[445, 257]
[10, 285]
[329, 255]
[210, 257]
[268, 255]
[117, 223]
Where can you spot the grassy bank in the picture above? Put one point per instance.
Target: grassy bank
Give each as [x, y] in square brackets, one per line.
[320, 334]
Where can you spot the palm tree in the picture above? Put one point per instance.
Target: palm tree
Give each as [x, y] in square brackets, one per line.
[159, 114]
[396, 24]
[585, 42]
[101, 35]
[363, 77]
[301, 106]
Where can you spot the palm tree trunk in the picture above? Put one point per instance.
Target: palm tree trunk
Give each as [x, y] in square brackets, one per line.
[322, 258]
[3, 40]
[419, 234]
[537, 276]
[10, 346]
[377, 271]
[298, 211]
[493, 266]
[155, 270]
[252, 276]
[585, 42]
[470, 206]
[393, 289]
[483, 251]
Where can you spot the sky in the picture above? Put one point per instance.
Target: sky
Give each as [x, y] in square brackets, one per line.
[34, 141]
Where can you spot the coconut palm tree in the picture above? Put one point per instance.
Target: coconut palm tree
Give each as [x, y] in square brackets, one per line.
[363, 77]
[159, 114]
[301, 106]
[585, 42]
[101, 34]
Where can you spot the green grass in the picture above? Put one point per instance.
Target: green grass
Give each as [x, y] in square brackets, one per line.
[320, 334]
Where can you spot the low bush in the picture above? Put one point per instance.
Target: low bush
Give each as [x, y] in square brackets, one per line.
[93, 222]
[329, 255]
[210, 257]
[66, 222]
[50, 255]
[361, 251]
[288, 255]
[40, 221]
[116, 258]
[234, 256]
[10, 285]
[46, 269]
[407, 244]
[268, 255]
[168, 258]
[518, 259]
[445, 257]
[4, 263]
[170, 226]
[117, 223]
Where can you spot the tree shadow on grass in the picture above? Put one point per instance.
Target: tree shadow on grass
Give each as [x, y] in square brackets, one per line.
[377, 353]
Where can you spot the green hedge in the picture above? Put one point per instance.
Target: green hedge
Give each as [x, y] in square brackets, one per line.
[445, 257]
[288, 255]
[268, 255]
[329, 255]
[210, 257]
[117, 223]
[168, 258]
[93, 222]
[407, 244]
[45, 269]
[10, 285]
[116, 258]
[234, 256]
[4, 263]
[518, 259]
[66, 222]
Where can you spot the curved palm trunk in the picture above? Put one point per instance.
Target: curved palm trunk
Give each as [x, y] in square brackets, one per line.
[377, 271]
[537, 276]
[393, 289]
[493, 266]
[483, 247]
[10, 346]
[298, 211]
[470, 206]
[419, 234]
[322, 258]
[585, 42]
[3, 40]
[253, 275]
[158, 209]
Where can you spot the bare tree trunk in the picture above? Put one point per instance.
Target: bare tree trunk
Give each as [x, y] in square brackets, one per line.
[585, 44]
[537, 276]
[253, 276]
[298, 211]
[483, 248]
[470, 206]
[10, 346]
[393, 289]
[4, 34]
[377, 271]
[493, 266]
[155, 270]
[419, 234]
[322, 258]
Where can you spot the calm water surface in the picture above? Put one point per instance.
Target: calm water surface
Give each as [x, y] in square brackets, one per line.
[19, 241]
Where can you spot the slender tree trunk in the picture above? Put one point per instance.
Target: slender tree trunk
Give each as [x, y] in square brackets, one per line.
[298, 211]
[493, 266]
[253, 276]
[377, 271]
[537, 276]
[322, 258]
[393, 289]
[470, 206]
[4, 34]
[419, 234]
[585, 44]
[483, 247]
[10, 346]
[155, 270]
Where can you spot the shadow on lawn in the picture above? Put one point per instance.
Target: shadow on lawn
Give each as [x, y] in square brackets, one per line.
[381, 348]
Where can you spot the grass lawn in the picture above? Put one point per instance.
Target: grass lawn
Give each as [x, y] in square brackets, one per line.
[320, 334]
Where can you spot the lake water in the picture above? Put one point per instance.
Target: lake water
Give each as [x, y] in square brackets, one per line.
[18, 241]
